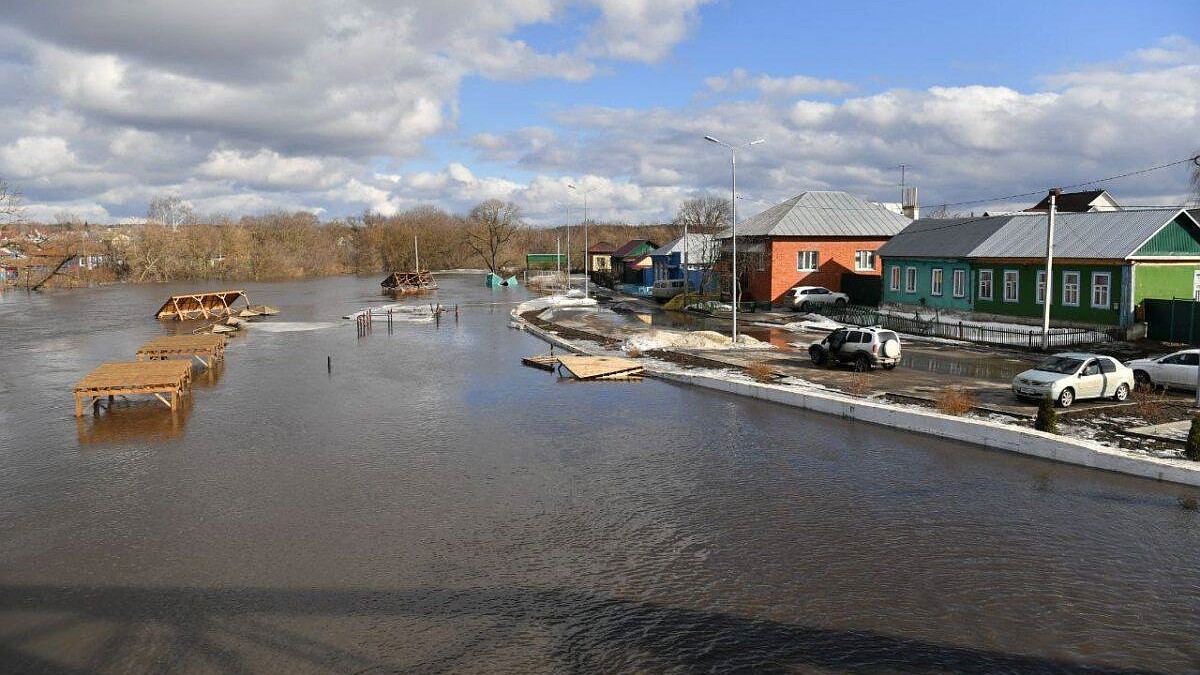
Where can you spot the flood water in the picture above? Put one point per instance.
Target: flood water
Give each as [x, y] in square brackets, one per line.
[432, 506]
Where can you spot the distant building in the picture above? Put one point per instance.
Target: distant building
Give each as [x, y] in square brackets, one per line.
[599, 257]
[1079, 202]
[631, 263]
[668, 262]
[814, 239]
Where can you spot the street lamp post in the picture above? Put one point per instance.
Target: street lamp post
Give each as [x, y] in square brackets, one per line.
[733, 217]
[567, 221]
[586, 263]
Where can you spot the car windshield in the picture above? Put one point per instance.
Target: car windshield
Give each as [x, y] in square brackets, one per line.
[1063, 365]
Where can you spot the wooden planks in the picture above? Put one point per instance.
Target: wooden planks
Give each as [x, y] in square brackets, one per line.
[200, 305]
[171, 377]
[546, 362]
[599, 367]
[205, 348]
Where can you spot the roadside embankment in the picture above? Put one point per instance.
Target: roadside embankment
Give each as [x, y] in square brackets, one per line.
[985, 433]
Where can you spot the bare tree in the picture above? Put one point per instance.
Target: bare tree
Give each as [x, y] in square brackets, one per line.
[10, 203]
[170, 210]
[490, 226]
[706, 214]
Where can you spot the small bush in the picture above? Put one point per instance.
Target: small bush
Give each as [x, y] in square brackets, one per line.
[760, 371]
[859, 385]
[1191, 449]
[1188, 503]
[633, 352]
[956, 401]
[1047, 417]
[1148, 404]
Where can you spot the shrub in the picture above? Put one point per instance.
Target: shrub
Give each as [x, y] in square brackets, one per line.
[760, 371]
[1188, 503]
[1148, 404]
[956, 401]
[1191, 449]
[633, 352]
[860, 384]
[1047, 418]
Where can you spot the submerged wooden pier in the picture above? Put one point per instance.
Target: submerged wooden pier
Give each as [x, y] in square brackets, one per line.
[601, 367]
[172, 378]
[205, 348]
[189, 306]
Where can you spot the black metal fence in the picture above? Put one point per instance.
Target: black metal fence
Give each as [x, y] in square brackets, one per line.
[1174, 320]
[1013, 337]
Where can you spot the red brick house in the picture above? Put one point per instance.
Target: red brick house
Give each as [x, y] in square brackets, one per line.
[812, 239]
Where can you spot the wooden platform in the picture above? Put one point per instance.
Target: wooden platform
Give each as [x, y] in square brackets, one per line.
[189, 306]
[600, 367]
[410, 282]
[172, 377]
[546, 362]
[206, 349]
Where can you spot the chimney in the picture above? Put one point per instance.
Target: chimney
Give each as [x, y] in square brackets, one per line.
[909, 203]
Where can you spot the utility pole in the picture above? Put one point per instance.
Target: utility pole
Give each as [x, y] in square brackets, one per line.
[586, 262]
[1048, 295]
[733, 218]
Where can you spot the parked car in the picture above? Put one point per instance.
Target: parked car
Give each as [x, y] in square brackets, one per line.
[1071, 377]
[866, 348]
[1173, 370]
[805, 298]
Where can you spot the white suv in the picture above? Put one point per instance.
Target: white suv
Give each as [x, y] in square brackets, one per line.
[866, 348]
[806, 297]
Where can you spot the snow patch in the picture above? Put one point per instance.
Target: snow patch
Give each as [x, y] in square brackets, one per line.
[700, 339]
[553, 301]
[292, 326]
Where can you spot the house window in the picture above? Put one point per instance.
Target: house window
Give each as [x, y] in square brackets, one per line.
[894, 279]
[1101, 282]
[935, 281]
[959, 283]
[864, 260]
[1041, 287]
[910, 280]
[762, 261]
[985, 284]
[1012, 286]
[806, 261]
[1070, 291]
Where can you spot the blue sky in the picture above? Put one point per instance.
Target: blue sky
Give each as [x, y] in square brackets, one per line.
[348, 105]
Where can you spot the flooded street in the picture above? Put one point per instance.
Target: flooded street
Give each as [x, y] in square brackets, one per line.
[432, 506]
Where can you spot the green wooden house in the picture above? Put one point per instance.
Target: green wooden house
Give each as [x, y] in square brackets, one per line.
[1106, 263]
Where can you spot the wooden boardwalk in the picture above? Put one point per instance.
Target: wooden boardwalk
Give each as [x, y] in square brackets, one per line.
[207, 349]
[171, 377]
[546, 362]
[600, 367]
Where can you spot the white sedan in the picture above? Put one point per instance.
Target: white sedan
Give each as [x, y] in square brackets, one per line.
[1070, 377]
[1173, 370]
[806, 297]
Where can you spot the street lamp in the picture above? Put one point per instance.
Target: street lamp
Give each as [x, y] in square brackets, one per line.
[733, 216]
[567, 221]
[586, 263]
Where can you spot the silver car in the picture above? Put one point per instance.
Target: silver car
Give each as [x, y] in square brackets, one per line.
[805, 298]
[1070, 377]
[1173, 370]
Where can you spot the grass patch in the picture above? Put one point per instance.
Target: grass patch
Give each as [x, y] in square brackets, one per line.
[956, 401]
[760, 371]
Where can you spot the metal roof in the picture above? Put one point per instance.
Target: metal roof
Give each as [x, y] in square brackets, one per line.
[631, 246]
[695, 244]
[822, 213]
[1098, 234]
[942, 237]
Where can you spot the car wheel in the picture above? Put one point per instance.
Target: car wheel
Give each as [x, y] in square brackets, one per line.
[889, 366]
[1121, 393]
[817, 355]
[839, 303]
[1142, 377]
[862, 363]
[804, 306]
[1066, 398]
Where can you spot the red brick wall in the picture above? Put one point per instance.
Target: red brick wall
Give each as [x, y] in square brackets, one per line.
[835, 257]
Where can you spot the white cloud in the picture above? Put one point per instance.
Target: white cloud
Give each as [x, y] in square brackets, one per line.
[33, 156]
[267, 168]
[739, 80]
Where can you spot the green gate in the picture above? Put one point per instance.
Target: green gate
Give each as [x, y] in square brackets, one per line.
[1175, 320]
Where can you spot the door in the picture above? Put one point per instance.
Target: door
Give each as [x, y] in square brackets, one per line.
[1090, 383]
[1178, 370]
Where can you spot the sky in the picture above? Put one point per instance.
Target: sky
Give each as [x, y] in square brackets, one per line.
[241, 107]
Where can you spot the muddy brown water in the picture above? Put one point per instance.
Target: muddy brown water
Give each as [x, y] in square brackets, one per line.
[432, 507]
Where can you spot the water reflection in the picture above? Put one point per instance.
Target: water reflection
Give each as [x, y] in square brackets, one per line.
[130, 421]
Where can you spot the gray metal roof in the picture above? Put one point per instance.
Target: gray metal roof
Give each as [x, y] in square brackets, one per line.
[822, 213]
[942, 237]
[695, 244]
[1099, 234]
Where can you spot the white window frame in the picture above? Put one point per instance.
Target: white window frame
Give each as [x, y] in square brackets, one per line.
[1016, 286]
[1107, 290]
[869, 255]
[958, 283]
[936, 281]
[990, 275]
[1067, 285]
[894, 278]
[910, 280]
[802, 258]
[1040, 292]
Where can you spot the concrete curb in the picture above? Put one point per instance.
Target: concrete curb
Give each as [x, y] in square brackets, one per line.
[987, 434]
